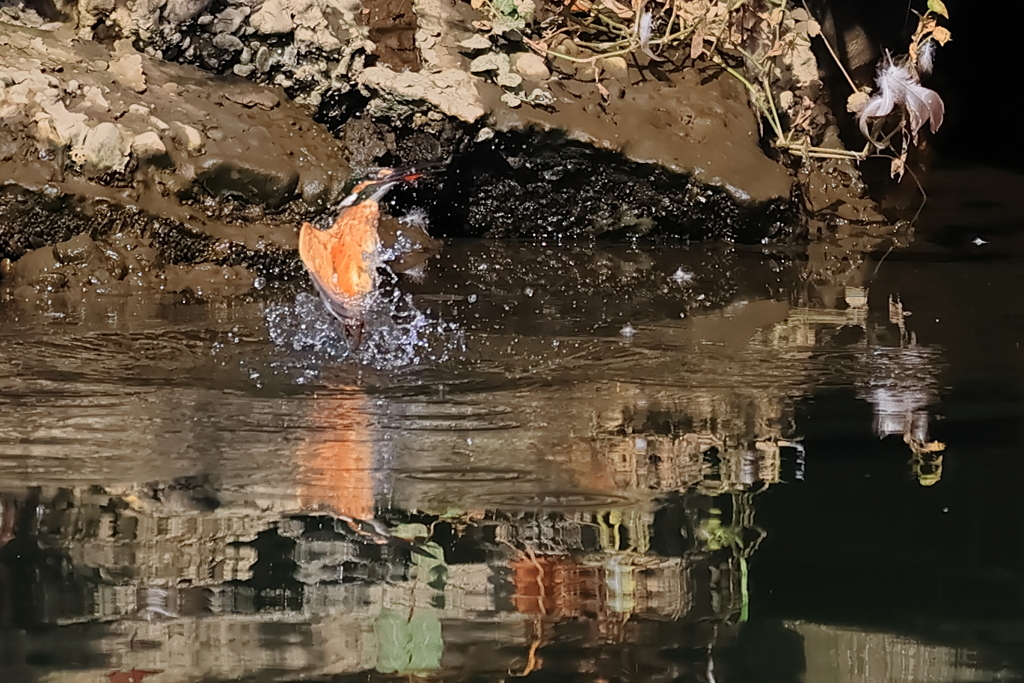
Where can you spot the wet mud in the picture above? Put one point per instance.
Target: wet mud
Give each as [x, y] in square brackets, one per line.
[111, 120]
[235, 160]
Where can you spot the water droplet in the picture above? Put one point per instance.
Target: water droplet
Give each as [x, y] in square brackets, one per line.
[259, 283]
[627, 331]
[682, 276]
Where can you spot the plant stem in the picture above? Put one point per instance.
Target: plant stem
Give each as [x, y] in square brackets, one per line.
[832, 52]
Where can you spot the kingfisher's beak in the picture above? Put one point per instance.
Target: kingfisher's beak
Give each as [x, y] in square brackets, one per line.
[383, 179]
[405, 173]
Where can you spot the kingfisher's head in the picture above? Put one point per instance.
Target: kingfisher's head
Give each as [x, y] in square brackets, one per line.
[376, 183]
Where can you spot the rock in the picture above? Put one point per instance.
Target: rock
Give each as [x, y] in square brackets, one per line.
[177, 12]
[148, 145]
[263, 59]
[263, 99]
[256, 185]
[531, 66]
[187, 137]
[243, 70]
[93, 99]
[265, 145]
[616, 67]
[103, 149]
[508, 79]
[34, 266]
[226, 41]
[128, 72]
[273, 18]
[477, 42]
[229, 20]
[452, 91]
[61, 128]
[76, 251]
[492, 61]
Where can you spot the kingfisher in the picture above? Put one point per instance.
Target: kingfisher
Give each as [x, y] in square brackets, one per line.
[343, 260]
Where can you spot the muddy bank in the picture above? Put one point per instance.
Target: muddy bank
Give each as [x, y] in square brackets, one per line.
[236, 160]
[228, 123]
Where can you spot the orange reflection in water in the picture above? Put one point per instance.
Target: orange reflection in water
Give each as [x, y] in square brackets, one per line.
[556, 586]
[336, 459]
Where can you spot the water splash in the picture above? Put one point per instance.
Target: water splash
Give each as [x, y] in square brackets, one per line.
[397, 335]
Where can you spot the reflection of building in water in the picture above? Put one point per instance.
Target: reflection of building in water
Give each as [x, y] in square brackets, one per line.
[898, 378]
[649, 491]
[238, 591]
[868, 657]
[901, 383]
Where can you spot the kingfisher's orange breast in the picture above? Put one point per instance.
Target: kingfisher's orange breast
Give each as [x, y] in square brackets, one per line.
[343, 260]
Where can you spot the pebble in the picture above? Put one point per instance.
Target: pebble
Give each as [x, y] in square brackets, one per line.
[531, 66]
[273, 18]
[187, 137]
[148, 145]
[228, 21]
[226, 41]
[263, 59]
[76, 250]
[103, 148]
[616, 67]
[128, 72]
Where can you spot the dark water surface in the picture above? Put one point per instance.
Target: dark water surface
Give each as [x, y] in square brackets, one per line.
[609, 463]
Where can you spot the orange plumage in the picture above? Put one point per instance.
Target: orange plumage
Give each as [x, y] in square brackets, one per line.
[343, 260]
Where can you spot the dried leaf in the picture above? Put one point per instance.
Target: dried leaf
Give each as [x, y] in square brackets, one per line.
[618, 8]
[942, 35]
[938, 7]
[476, 4]
[898, 166]
[696, 46]
[856, 102]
